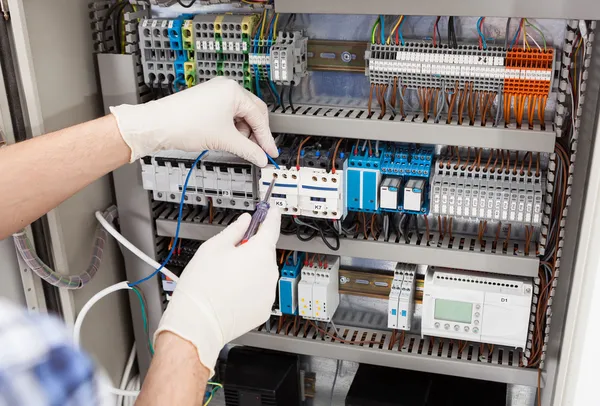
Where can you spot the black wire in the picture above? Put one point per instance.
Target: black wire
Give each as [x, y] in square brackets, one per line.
[507, 33]
[333, 235]
[290, 98]
[275, 103]
[108, 18]
[190, 4]
[437, 29]
[452, 43]
[281, 97]
[313, 234]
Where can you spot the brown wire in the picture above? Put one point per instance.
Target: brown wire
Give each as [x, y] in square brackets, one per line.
[522, 171]
[468, 159]
[335, 337]
[440, 227]
[478, 151]
[537, 165]
[489, 161]
[457, 158]
[337, 147]
[394, 90]
[450, 228]
[210, 211]
[426, 228]
[498, 233]
[516, 162]
[507, 236]
[366, 234]
[304, 141]
[452, 103]
[373, 227]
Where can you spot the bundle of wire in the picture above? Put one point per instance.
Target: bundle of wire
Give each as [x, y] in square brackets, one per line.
[27, 253]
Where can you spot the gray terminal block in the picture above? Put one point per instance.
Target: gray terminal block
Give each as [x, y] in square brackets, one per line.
[204, 34]
[158, 60]
[233, 67]
[471, 192]
[420, 64]
[206, 66]
[232, 39]
[288, 61]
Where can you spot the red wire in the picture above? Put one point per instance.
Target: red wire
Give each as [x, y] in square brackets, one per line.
[434, 34]
[481, 29]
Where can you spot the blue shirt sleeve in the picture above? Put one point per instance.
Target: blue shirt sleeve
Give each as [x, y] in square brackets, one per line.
[40, 365]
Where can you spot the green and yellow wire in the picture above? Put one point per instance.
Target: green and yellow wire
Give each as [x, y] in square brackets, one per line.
[213, 391]
[373, 30]
[538, 30]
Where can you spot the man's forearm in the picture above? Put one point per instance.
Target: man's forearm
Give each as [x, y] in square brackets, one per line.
[39, 174]
[176, 376]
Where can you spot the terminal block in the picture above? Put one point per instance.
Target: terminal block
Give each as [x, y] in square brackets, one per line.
[401, 303]
[158, 59]
[260, 59]
[222, 45]
[288, 60]
[421, 65]
[288, 284]
[318, 289]
[220, 179]
[476, 193]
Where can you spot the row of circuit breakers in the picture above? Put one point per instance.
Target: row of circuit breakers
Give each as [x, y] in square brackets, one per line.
[456, 304]
[395, 178]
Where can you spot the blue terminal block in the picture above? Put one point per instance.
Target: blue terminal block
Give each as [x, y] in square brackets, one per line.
[175, 36]
[363, 177]
[288, 284]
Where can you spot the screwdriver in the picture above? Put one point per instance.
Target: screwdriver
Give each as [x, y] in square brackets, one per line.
[262, 208]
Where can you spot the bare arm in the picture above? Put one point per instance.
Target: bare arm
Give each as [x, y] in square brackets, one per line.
[39, 174]
[176, 376]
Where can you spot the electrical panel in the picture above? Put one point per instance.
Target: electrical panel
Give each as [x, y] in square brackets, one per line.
[469, 306]
[448, 154]
[318, 290]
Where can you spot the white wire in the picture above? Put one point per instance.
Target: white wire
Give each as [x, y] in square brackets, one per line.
[81, 316]
[133, 385]
[534, 41]
[112, 231]
[125, 379]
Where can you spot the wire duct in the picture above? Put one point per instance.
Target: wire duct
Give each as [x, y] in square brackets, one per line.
[26, 252]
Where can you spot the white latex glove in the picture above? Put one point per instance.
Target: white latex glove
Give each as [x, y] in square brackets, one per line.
[226, 290]
[216, 115]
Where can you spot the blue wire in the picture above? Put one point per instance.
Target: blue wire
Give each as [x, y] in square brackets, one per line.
[382, 33]
[256, 71]
[174, 246]
[272, 85]
[515, 37]
[272, 161]
[481, 33]
[271, 28]
[400, 31]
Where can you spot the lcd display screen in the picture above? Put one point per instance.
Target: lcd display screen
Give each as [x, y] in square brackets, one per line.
[451, 310]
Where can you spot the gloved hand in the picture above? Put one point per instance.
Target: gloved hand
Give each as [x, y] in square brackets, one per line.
[226, 290]
[216, 115]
